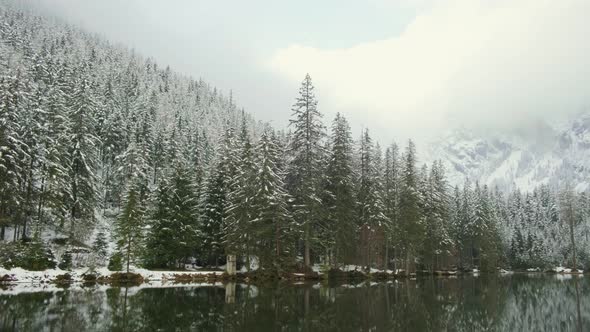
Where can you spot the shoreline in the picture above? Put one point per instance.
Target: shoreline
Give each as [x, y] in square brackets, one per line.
[103, 276]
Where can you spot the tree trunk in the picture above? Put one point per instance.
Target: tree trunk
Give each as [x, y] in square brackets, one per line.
[386, 259]
[247, 255]
[575, 267]
[128, 252]
[28, 202]
[408, 262]
[306, 258]
[106, 191]
[40, 205]
[472, 254]
[277, 240]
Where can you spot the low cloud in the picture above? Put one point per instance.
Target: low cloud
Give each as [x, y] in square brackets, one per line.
[482, 63]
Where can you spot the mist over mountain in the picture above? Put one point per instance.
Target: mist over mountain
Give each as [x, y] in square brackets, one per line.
[533, 154]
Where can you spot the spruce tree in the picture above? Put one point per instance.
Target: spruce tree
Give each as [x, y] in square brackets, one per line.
[238, 235]
[130, 225]
[305, 167]
[339, 192]
[411, 224]
[438, 241]
[271, 226]
[11, 150]
[370, 207]
[214, 197]
[100, 245]
[82, 156]
[391, 192]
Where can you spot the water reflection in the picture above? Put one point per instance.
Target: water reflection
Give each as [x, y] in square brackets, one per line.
[517, 303]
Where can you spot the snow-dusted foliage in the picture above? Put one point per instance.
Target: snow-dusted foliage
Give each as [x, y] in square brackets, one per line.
[82, 120]
[541, 153]
[100, 144]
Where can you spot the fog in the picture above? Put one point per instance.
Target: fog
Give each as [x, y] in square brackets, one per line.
[404, 69]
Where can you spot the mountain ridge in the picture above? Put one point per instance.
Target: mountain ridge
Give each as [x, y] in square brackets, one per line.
[539, 153]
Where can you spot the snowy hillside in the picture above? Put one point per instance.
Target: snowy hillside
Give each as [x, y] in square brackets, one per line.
[524, 159]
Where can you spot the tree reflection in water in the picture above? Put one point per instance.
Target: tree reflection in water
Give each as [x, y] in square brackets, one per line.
[517, 303]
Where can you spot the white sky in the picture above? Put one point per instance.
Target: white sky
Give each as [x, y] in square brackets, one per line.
[406, 68]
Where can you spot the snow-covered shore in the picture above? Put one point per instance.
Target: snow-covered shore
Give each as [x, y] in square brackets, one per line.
[42, 280]
[19, 275]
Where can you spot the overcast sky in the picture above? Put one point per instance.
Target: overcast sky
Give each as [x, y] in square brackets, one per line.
[405, 68]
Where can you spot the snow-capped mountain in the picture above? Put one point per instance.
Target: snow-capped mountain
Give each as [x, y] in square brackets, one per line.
[541, 153]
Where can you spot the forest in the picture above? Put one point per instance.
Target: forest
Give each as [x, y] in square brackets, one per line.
[103, 148]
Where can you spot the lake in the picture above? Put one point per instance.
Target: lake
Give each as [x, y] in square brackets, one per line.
[485, 303]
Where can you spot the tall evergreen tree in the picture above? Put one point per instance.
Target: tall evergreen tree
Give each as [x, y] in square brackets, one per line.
[82, 155]
[391, 196]
[371, 210]
[129, 227]
[214, 197]
[305, 167]
[12, 149]
[437, 241]
[271, 223]
[339, 191]
[411, 224]
[238, 208]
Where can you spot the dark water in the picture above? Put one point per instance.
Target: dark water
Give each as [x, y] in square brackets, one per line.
[516, 303]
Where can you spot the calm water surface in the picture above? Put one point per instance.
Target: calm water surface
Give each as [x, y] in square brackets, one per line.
[513, 303]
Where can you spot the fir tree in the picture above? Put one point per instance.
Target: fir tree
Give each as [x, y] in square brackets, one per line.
[271, 223]
[11, 149]
[305, 168]
[214, 198]
[339, 194]
[371, 210]
[238, 234]
[82, 156]
[130, 225]
[411, 225]
[100, 245]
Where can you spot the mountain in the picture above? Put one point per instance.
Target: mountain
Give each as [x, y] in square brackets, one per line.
[82, 118]
[535, 154]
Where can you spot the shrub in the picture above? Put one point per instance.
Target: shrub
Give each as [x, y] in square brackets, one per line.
[32, 255]
[125, 278]
[63, 279]
[66, 260]
[116, 262]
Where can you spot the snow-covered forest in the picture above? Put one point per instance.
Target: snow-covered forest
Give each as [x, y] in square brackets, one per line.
[104, 149]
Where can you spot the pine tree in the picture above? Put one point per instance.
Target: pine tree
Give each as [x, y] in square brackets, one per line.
[53, 161]
[174, 225]
[371, 210]
[391, 196]
[82, 156]
[305, 167]
[12, 152]
[469, 223]
[160, 236]
[488, 231]
[271, 223]
[436, 217]
[238, 235]
[456, 230]
[339, 191]
[411, 225]
[100, 245]
[568, 215]
[129, 227]
[214, 197]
